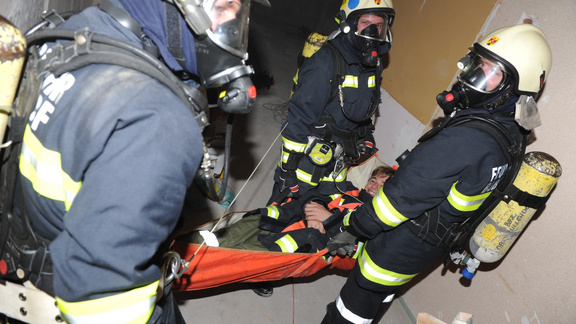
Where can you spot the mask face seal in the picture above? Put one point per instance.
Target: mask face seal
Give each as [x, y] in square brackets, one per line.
[480, 80]
[371, 32]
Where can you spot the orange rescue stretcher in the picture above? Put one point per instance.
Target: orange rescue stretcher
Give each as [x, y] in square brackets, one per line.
[217, 266]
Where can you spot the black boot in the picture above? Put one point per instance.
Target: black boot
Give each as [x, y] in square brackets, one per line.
[263, 289]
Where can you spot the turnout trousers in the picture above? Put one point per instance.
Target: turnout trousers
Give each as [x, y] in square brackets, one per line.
[388, 261]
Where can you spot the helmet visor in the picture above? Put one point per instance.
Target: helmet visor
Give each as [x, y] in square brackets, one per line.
[484, 75]
[229, 29]
[372, 26]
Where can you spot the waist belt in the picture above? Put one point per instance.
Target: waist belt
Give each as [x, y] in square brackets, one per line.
[432, 228]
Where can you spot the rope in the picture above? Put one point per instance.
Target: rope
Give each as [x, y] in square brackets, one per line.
[280, 112]
[186, 263]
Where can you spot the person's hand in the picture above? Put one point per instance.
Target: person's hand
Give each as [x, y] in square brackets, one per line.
[317, 225]
[343, 244]
[316, 212]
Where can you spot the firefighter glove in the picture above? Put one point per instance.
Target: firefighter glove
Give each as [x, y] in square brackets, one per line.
[289, 181]
[367, 145]
[343, 244]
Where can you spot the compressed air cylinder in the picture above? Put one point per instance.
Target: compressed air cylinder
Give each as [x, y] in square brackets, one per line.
[496, 234]
[312, 45]
[12, 56]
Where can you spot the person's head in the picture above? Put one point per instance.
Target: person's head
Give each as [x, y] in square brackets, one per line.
[379, 175]
[509, 62]
[222, 11]
[212, 33]
[367, 25]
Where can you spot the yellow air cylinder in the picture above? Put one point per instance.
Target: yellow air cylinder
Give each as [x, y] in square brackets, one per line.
[311, 46]
[538, 175]
[12, 56]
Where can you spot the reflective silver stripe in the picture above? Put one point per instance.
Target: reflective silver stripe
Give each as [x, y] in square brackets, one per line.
[305, 177]
[388, 298]
[465, 203]
[347, 314]
[293, 146]
[43, 168]
[350, 81]
[372, 81]
[287, 244]
[376, 274]
[272, 212]
[386, 212]
[346, 220]
[134, 307]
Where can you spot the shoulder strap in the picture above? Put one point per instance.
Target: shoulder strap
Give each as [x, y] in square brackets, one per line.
[514, 153]
[338, 75]
[507, 144]
[85, 47]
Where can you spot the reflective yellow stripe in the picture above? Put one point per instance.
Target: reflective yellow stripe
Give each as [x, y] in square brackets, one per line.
[295, 79]
[372, 81]
[134, 306]
[293, 146]
[305, 177]
[386, 212]
[287, 244]
[336, 177]
[272, 212]
[374, 273]
[346, 220]
[350, 81]
[43, 168]
[465, 203]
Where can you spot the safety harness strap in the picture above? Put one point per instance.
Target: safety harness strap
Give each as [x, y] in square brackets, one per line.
[432, 228]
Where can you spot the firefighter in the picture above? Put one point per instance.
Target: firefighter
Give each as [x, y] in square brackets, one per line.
[447, 176]
[336, 94]
[108, 154]
[323, 216]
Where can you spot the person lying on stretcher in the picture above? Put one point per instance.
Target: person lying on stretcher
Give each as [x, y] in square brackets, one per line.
[303, 225]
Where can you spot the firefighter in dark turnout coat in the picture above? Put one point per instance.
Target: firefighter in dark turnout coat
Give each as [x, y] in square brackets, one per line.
[107, 157]
[337, 92]
[446, 177]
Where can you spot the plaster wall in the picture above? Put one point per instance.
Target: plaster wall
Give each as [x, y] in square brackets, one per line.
[533, 282]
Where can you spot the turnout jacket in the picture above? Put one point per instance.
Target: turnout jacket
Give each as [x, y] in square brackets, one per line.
[453, 172]
[448, 175]
[108, 154]
[313, 98]
[289, 220]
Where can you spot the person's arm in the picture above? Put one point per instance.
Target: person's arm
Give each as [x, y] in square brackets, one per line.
[315, 215]
[306, 107]
[422, 182]
[107, 257]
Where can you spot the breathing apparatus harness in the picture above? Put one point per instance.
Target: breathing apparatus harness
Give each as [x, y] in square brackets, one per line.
[353, 145]
[432, 228]
[24, 255]
[453, 237]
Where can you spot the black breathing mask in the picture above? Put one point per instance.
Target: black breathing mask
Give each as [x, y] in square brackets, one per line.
[368, 43]
[480, 81]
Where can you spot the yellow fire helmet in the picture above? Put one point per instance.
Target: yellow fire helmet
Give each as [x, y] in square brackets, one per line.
[523, 51]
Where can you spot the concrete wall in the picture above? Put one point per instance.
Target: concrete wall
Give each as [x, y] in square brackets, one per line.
[533, 282]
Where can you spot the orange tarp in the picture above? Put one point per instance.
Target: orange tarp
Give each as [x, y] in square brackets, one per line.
[216, 266]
